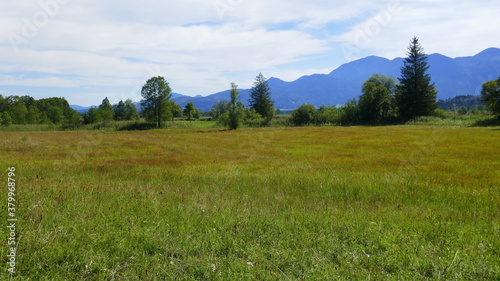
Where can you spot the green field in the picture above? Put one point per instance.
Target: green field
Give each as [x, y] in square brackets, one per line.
[329, 203]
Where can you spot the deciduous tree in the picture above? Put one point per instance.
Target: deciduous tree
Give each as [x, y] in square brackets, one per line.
[304, 115]
[375, 103]
[156, 104]
[236, 109]
[189, 111]
[491, 96]
[219, 109]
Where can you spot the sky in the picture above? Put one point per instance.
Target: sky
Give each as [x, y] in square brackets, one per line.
[85, 51]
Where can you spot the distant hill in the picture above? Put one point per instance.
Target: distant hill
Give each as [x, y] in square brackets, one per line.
[80, 109]
[452, 77]
[469, 102]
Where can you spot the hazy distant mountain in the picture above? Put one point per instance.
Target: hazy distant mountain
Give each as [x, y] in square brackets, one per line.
[452, 77]
[79, 108]
[459, 76]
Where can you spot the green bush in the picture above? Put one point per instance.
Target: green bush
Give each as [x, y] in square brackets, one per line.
[304, 115]
[254, 119]
[5, 119]
[440, 113]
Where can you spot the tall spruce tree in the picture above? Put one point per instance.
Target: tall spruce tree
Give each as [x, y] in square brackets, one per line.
[415, 96]
[106, 110]
[120, 111]
[260, 98]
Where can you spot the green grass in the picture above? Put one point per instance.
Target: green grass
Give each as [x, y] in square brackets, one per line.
[329, 203]
[28, 128]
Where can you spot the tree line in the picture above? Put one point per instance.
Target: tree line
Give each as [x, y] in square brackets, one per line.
[463, 104]
[123, 111]
[156, 107]
[26, 110]
[233, 114]
[384, 100]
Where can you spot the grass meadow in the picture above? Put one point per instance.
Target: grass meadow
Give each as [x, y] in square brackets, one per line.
[316, 203]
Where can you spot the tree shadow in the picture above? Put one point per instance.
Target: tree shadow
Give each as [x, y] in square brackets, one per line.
[490, 122]
[137, 126]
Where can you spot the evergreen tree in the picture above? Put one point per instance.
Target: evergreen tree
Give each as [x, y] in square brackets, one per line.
[92, 116]
[260, 98]
[120, 111]
[415, 96]
[106, 110]
[73, 120]
[131, 110]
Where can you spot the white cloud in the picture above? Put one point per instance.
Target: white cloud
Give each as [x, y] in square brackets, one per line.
[452, 28]
[201, 46]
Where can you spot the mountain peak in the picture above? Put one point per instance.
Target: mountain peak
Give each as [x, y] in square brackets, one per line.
[452, 77]
[488, 53]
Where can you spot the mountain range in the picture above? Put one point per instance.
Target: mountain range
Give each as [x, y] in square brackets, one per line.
[452, 77]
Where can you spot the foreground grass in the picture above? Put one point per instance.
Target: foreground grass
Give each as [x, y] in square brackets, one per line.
[383, 203]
